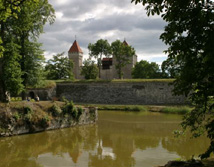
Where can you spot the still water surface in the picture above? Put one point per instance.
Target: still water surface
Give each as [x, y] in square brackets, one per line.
[119, 139]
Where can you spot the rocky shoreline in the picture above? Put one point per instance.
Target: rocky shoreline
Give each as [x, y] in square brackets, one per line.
[24, 118]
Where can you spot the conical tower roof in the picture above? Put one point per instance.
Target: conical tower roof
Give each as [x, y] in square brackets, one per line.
[75, 48]
[125, 43]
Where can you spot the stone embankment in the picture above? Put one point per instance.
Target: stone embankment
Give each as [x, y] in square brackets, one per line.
[143, 93]
[31, 118]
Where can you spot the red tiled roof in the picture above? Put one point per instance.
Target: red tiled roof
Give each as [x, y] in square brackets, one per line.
[75, 48]
[107, 59]
[125, 43]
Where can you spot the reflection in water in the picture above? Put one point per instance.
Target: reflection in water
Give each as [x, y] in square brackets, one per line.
[119, 139]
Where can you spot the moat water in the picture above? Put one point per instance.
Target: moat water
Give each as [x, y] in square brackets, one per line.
[119, 139]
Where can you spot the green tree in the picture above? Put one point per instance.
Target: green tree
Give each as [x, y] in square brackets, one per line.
[89, 69]
[27, 29]
[21, 22]
[122, 53]
[12, 69]
[144, 69]
[8, 65]
[34, 68]
[98, 50]
[168, 70]
[190, 37]
[60, 67]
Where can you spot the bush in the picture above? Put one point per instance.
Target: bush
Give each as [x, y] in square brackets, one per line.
[16, 116]
[28, 117]
[80, 111]
[55, 110]
[28, 114]
[28, 110]
[68, 108]
[74, 113]
[45, 121]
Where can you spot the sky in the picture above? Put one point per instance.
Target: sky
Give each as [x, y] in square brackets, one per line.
[91, 20]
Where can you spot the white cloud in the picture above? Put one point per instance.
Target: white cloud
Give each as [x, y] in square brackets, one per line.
[108, 19]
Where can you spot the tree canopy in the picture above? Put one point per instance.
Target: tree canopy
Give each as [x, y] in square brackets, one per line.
[21, 24]
[122, 53]
[190, 36]
[144, 69]
[98, 50]
[89, 69]
[60, 67]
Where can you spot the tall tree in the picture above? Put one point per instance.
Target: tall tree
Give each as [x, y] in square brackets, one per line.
[190, 37]
[122, 53]
[34, 61]
[8, 9]
[89, 69]
[144, 69]
[98, 50]
[60, 67]
[25, 28]
[168, 70]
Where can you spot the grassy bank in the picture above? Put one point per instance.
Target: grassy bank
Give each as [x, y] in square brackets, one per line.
[117, 80]
[118, 107]
[161, 109]
[36, 114]
[170, 109]
[52, 83]
[44, 105]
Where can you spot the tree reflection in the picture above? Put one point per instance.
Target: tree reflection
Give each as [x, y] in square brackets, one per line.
[115, 141]
[185, 147]
[23, 151]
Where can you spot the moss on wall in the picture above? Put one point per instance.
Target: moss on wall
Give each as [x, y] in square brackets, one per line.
[29, 117]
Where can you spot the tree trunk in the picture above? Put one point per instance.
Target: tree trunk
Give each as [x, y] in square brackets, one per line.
[100, 64]
[23, 68]
[2, 85]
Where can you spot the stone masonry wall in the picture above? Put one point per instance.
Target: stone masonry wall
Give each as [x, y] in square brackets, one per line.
[44, 94]
[144, 93]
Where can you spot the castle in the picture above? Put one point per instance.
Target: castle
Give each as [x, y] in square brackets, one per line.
[108, 70]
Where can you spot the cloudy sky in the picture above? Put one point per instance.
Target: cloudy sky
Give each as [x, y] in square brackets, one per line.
[91, 20]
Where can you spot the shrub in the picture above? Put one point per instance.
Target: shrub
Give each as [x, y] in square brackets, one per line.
[80, 111]
[55, 110]
[45, 121]
[68, 108]
[16, 116]
[65, 100]
[28, 110]
[74, 113]
[28, 117]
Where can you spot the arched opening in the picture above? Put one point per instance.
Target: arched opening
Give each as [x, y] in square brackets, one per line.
[32, 95]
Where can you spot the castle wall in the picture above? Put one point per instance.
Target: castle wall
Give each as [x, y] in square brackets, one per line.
[143, 93]
[127, 70]
[107, 74]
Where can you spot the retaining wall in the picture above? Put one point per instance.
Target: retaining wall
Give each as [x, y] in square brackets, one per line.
[144, 93]
[44, 94]
[9, 126]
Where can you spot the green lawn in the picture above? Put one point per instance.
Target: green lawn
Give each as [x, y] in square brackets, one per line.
[151, 108]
